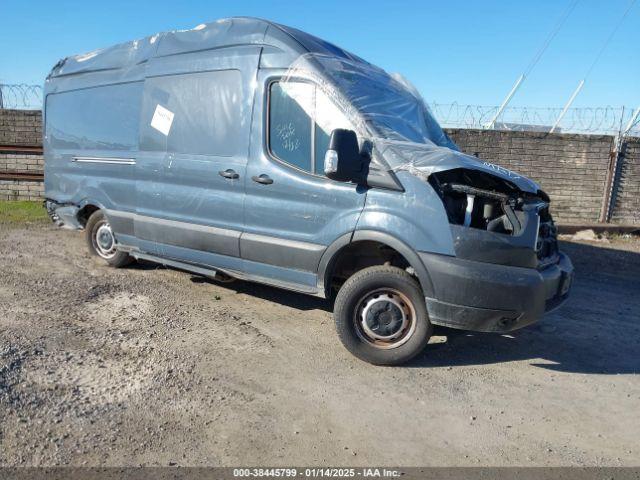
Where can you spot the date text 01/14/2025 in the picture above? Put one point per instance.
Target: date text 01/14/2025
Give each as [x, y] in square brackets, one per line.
[316, 472]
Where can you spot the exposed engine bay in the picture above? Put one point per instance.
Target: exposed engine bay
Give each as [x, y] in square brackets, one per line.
[479, 200]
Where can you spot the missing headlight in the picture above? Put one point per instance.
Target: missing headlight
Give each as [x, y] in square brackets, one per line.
[479, 200]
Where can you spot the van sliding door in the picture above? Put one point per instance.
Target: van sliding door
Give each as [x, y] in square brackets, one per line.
[202, 121]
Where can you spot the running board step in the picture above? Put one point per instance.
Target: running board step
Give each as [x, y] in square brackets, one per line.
[213, 273]
[205, 272]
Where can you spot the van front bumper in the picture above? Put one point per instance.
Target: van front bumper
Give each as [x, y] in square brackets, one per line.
[486, 297]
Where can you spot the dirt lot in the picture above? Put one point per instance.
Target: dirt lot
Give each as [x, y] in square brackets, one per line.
[152, 366]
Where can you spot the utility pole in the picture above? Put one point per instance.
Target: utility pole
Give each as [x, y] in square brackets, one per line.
[536, 58]
[506, 101]
[566, 107]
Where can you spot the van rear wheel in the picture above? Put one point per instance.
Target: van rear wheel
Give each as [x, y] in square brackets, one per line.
[102, 242]
[381, 316]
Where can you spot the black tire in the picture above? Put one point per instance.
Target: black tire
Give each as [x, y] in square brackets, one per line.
[372, 286]
[117, 258]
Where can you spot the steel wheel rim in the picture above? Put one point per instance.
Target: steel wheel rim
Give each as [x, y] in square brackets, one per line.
[103, 241]
[395, 316]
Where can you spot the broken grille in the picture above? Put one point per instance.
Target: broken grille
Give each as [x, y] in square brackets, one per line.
[547, 243]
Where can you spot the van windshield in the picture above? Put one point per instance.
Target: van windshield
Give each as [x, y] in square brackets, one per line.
[383, 105]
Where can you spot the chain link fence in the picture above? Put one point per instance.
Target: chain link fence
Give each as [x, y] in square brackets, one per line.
[596, 120]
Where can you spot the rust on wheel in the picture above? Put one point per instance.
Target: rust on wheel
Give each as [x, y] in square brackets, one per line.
[385, 318]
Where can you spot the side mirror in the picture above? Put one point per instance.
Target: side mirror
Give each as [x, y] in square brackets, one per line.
[343, 161]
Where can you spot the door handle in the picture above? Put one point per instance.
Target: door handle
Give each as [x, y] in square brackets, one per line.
[264, 179]
[229, 173]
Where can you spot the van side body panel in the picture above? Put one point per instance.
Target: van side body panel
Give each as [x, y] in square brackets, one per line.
[91, 145]
[164, 194]
[173, 203]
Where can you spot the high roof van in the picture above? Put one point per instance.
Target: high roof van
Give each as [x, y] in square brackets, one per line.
[244, 149]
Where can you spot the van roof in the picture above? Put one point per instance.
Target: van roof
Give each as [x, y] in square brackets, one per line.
[224, 33]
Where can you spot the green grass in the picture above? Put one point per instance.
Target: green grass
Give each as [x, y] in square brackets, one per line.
[22, 212]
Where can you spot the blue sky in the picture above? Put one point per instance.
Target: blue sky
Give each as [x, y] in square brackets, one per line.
[464, 51]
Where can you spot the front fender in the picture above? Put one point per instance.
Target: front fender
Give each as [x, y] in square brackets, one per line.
[331, 253]
[403, 249]
[416, 216]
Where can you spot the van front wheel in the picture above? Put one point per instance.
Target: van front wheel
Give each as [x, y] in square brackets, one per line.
[381, 316]
[102, 242]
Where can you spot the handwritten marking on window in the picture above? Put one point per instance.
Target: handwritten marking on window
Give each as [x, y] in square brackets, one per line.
[286, 133]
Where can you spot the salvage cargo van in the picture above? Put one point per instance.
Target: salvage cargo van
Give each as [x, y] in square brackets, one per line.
[246, 149]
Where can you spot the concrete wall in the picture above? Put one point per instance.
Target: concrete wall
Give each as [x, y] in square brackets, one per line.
[571, 168]
[20, 128]
[21, 190]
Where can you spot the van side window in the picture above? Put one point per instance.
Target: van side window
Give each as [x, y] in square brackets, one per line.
[96, 118]
[208, 113]
[301, 119]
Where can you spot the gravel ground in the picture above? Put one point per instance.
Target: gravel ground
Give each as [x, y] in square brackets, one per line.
[151, 366]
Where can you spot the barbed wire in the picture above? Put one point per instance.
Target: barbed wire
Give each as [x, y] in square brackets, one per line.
[605, 120]
[21, 96]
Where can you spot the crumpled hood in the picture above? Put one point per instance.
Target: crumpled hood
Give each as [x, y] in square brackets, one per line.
[424, 159]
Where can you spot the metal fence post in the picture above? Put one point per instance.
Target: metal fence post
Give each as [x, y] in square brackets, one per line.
[616, 160]
[610, 180]
[615, 166]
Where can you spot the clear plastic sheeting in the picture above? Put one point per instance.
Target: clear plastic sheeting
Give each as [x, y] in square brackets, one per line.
[385, 109]
[118, 56]
[422, 160]
[377, 104]
[418, 158]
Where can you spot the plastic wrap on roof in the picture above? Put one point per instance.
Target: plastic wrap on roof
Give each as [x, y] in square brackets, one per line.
[282, 44]
[221, 33]
[111, 58]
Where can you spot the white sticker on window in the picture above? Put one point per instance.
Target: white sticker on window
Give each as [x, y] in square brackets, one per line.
[162, 119]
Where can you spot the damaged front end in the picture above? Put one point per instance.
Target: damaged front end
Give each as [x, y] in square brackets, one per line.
[506, 270]
[494, 221]
[500, 269]
[495, 215]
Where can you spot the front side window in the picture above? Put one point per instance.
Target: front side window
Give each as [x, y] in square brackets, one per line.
[301, 119]
[290, 123]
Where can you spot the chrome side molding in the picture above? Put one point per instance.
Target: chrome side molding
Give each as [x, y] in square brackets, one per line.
[109, 160]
